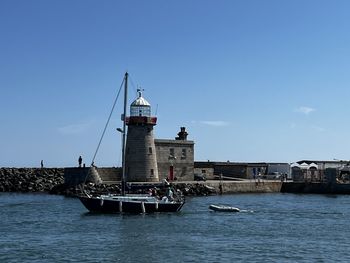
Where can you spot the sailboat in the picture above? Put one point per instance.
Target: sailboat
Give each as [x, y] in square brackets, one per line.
[131, 203]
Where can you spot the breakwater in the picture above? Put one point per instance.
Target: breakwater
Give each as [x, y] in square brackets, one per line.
[245, 186]
[52, 180]
[186, 188]
[316, 188]
[30, 179]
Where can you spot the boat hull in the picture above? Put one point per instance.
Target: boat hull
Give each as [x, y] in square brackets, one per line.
[98, 205]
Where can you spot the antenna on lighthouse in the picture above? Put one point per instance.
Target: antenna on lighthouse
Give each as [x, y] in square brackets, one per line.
[156, 110]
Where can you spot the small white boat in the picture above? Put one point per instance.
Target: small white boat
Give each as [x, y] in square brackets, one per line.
[224, 208]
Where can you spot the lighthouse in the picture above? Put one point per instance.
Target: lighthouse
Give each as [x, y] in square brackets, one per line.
[140, 152]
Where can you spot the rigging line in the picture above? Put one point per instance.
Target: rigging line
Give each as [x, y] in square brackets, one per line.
[109, 118]
[133, 85]
[156, 110]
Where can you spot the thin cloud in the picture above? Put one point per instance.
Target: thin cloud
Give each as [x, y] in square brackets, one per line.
[77, 128]
[215, 123]
[305, 110]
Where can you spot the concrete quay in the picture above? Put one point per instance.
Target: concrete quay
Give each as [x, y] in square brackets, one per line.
[234, 187]
[246, 186]
[223, 187]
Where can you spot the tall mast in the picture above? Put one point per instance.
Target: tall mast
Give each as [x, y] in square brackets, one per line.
[124, 130]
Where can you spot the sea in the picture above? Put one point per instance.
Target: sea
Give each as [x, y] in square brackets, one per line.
[270, 228]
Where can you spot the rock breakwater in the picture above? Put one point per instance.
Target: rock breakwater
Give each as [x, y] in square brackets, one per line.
[51, 180]
[30, 179]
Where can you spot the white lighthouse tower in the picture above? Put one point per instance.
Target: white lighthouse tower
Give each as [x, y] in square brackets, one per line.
[140, 152]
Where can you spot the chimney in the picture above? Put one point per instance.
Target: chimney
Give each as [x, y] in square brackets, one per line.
[182, 135]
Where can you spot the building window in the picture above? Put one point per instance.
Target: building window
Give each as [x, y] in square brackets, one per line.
[183, 154]
[150, 150]
[204, 171]
[171, 153]
[152, 172]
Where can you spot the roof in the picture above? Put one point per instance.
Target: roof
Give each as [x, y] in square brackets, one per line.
[140, 101]
[304, 165]
[320, 161]
[213, 164]
[173, 142]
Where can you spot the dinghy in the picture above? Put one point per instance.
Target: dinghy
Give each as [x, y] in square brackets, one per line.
[223, 208]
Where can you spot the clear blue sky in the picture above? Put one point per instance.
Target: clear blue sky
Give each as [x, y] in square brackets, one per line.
[251, 80]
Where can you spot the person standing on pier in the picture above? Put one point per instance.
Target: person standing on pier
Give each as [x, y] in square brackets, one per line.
[80, 161]
[42, 164]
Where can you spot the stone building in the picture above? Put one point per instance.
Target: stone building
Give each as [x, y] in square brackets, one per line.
[175, 158]
[212, 170]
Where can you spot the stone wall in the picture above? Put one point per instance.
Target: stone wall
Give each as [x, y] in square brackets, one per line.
[207, 172]
[75, 175]
[315, 188]
[234, 187]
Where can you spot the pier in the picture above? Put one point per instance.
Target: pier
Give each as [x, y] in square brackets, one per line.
[56, 181]
[243, 186]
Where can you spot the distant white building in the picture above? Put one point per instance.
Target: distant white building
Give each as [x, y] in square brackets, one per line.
[315, 170]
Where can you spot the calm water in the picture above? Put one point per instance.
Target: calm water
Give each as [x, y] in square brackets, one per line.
[273, 228]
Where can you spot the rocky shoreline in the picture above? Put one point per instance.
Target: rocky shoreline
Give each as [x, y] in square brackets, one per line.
[51, 180]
